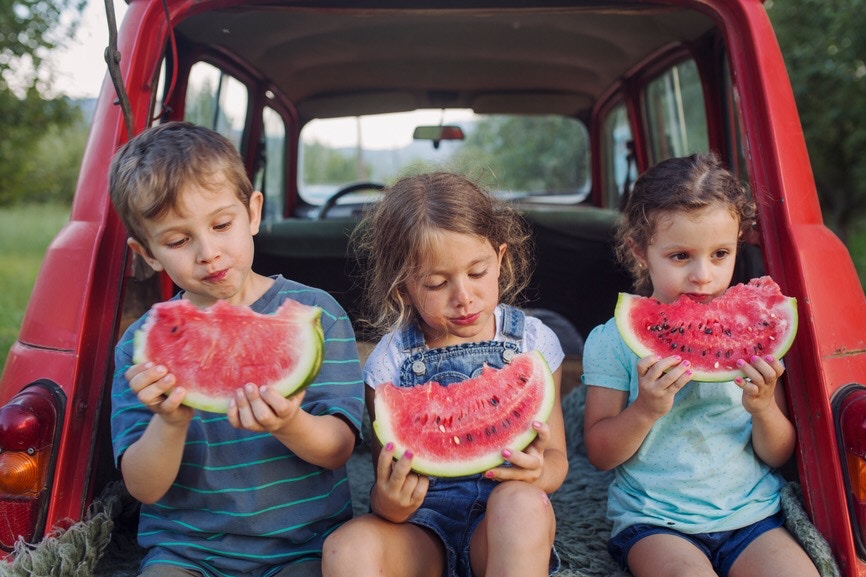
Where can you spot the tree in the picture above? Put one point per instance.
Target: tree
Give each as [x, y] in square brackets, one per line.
[825, 53]
[29, 29]
[529, 153]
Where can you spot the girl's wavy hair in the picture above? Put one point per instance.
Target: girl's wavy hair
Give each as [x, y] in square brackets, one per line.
[683, 184]
[393, 241]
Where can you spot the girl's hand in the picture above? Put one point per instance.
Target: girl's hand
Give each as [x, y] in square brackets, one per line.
[526, 465]
[659, 379]
[398, 491]
[262, 409]
[155, 387]
[759, 384]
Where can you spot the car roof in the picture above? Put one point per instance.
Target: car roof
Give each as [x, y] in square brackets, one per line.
[334, 59]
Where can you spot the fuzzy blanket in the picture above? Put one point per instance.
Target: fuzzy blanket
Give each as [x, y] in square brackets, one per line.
[103, 544]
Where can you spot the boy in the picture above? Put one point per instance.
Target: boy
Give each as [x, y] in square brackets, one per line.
[255, 491]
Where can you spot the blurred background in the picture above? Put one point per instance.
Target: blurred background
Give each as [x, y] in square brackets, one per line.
[52, 68]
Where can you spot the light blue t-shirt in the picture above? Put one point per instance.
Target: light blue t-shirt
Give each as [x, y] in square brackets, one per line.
[696, 471]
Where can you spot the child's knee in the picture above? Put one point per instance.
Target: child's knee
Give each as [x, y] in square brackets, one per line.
[347, 543]
[521, 503]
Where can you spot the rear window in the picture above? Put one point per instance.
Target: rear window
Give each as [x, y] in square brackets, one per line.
[537, 157]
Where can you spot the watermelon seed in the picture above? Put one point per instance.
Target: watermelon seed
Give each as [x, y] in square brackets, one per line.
[771, 337]
[469, 437]
[494, 401]
[441, 428]
[456, 440]
[708, 331]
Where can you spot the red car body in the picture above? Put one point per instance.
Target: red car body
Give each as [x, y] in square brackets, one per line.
[63, 358]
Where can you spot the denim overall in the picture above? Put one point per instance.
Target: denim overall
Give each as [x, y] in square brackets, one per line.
[454, 507]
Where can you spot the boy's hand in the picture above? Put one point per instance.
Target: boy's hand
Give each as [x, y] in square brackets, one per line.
[527, 465]
[155, 387]
[759, 385]
[398, 491]
[262, 409]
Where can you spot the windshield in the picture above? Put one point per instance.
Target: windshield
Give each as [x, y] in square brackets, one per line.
[543, 157]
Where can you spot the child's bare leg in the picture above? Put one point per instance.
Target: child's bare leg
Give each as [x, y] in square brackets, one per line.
[773, 553]
[516, 535]
[370, 545]
[666, 555]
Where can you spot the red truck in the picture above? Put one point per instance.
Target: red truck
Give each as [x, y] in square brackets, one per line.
[557, 104]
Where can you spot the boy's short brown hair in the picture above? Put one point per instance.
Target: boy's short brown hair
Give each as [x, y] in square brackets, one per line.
[148, 173]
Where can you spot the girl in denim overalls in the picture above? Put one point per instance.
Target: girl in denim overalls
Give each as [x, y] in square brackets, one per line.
[443, 257]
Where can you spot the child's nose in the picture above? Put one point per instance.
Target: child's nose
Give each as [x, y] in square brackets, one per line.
[701, 272]
[207, 251]
[462, 294]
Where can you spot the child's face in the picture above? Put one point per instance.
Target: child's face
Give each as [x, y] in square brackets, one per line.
[206, 244]
[458, 290]
[692, 253]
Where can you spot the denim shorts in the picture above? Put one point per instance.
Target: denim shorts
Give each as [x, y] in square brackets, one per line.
[722, 547]
[452, 510]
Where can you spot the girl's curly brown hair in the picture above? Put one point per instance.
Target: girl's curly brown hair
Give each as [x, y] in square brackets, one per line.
[678, 184]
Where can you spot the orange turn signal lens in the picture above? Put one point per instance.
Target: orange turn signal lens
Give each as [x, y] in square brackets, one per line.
[20, 473]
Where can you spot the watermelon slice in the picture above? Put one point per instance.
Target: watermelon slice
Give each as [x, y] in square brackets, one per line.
[748, 319]
[214, 351]
[462, 429]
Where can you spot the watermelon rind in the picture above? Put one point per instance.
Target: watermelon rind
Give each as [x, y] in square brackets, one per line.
[308, 328]
[638, 342]
[463, 466]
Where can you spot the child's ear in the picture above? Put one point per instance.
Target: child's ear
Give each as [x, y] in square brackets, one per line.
[256, 202]
[638, 252]
[145, 255]
[502, 248]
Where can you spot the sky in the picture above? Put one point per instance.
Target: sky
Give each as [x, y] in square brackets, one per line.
[80, 67]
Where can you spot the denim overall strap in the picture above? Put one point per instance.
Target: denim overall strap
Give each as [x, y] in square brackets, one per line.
[455, 363]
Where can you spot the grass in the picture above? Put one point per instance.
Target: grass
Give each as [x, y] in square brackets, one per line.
[25, 232]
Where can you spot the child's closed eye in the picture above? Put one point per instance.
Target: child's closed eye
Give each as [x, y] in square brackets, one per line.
[176, 243]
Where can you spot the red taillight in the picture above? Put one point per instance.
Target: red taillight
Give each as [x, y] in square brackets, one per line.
[851, 428]
[28, 425]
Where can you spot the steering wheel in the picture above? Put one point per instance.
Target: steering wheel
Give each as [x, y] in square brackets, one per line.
[349, 188]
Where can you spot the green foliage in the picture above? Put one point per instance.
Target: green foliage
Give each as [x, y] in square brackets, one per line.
[324, 165]
[529, 153]
[31, 28]
[825, 53]
[28, 30]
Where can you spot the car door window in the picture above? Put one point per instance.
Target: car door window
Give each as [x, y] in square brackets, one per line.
[675, 113]
[217, 100]
[270, 176]
[620, 170]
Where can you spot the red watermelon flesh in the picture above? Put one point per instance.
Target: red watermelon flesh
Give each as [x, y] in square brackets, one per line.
[462, 429]
[748, 319]
[214, 351]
